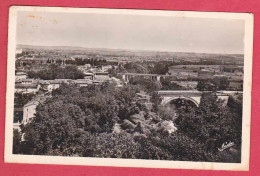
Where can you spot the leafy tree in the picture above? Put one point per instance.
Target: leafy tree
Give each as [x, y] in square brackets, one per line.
[21, 99]
[214, 84]
[56, 72]
[16, 141]
[77, 121]
[212, 124]
[160, 68]
[156, 101]
[167, 84]
[222, 83]
[112, 145]
[56, 126]
[135, 67]
[145, 84]
[206, 85]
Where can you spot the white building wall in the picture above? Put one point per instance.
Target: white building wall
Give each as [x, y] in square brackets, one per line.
[29, 112]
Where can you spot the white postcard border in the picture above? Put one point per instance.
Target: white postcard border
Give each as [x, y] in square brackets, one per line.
[36, 159]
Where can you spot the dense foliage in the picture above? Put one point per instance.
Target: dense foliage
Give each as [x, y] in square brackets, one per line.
[214, 84]
[21, 99]
[80, 61]
[168, 84]
[145, 84]
[57, 72]
[108, 121]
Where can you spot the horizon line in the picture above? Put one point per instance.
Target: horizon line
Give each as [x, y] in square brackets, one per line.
[144, 50]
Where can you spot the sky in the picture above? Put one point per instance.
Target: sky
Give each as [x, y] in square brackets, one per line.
[133, 32]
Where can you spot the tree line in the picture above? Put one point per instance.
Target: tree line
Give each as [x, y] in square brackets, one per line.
[57, 72]
[80, 61]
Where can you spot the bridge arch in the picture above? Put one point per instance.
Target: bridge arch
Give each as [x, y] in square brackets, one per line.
[172, 99]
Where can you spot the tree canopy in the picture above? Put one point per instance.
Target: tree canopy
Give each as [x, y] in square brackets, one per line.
[57, 72]
[82, 121]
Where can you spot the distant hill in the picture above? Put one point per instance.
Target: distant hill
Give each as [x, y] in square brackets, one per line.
[133, 53]
[19, 46]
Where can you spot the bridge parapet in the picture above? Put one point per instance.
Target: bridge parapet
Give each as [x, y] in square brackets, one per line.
[192, 95]
[179, 93]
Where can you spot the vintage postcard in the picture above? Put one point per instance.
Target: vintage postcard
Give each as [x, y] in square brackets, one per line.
[129, 88]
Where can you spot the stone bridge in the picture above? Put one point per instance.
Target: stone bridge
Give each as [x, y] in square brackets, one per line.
[127, 76]
[193, 96]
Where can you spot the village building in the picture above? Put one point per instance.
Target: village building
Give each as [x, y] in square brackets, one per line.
[27, 81]
[27, 88]
[20, 75]
[51, 85]
[105, 68]
[82, 82]
[84, 68]
[101, 76]
[29, 111]
[88, 75]
[29, 108]
[18, 51]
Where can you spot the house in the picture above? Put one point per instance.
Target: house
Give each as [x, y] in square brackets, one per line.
[20, 75]
[29, 111]
[50, 85]
[106, 67]
[27, 81]
[18, 51]
[101, 76]
[84, 67]
[27, 88]
[233, 85]
[88, 75]
[97, 82]
[55, 84]
[82, 82]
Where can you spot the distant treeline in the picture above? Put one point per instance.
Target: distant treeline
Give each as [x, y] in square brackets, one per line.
[56, 72]
[162, 67]
[81, 61]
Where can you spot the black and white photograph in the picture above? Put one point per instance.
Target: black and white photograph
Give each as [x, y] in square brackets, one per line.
[130, 88]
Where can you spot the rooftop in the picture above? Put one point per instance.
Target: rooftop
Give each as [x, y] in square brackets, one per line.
[26, 86]
[20, 73]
